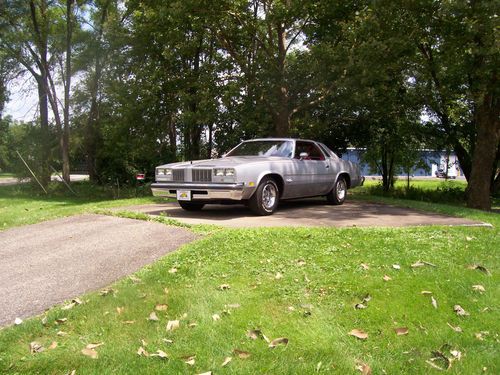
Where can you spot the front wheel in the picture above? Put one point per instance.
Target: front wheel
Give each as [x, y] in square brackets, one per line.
[266, 198]
[338, 193]
[191, 206]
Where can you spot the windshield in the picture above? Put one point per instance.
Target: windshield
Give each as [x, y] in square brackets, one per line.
[263, 148]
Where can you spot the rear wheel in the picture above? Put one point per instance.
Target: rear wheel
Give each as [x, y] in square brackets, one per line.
[266, 198]
[191, 206]
[338, 193]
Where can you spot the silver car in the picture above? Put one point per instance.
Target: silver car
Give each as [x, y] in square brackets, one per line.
[259, 173]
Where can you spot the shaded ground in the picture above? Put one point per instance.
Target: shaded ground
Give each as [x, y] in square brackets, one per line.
[306, 213]
[45, 264]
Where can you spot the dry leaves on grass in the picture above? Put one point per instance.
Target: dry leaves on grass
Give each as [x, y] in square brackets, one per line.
[161, 307]
[226, 361]
[479, 288]
[142, 352]
[224, 287]
[36, 347]
[120, 310]
[172, 325]
[456, 329]
[363, 368]
[215, 317]
[205, 373]
[396, 266]
[61, 320]
[387, 278]
[255, 334]
[135, 279]
[94, 345]
[189, 360]
[241, 354]
[105, 292]
[61, 333]
[153, 317]
[172, 270]
[364, 266]
[278, 276]
[73, 303]
[358, 333]
[459, 310]
[18, 321]
[279, 341]
[434, 302]
[160, 354]
[479, 268]
[53, 345]
[90, 353]
[420, 263]
[442, 362]
[401, 331]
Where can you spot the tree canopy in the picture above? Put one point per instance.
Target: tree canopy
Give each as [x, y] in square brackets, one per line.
[147, 82]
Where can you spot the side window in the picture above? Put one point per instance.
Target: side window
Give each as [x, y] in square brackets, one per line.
[312, 150]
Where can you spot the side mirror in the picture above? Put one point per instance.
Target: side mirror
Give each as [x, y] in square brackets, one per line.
[303, 155]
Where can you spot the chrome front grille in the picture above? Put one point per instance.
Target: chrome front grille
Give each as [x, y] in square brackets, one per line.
[201, 175]
[178, 175]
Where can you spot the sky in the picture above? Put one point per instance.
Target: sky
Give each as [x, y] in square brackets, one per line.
[23, 100]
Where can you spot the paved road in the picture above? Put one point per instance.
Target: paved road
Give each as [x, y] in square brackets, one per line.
[45, 264]
[7, 181]
[313, 212]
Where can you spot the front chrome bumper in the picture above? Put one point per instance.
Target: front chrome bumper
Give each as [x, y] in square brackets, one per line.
[200, 191]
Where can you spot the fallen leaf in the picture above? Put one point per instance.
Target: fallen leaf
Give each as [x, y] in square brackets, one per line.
[359, 306]
[90, 353]
[192, 325]
[226, 361]
[172, 325]
[44, 321]
[77, 300]
[36, 347]
[481, 335]
[278, 276]
[190, 360]
[479, 288]
[278, 341]
[119, 310]
[142, 352]
[469, 238]
[417, 264]
[215, 317]
[165, 290]
[61, 333]
[457, 355]
[153, 317]
[129, 322]
[61, 320]
[159, 353]
[460, 311]
[360, 334]
[241, 354]
[365, 266]
[53, 345]
[18, 321]
[134, 279]
[439, 356]
[434, 302]
[301, 262]
[68, 306]
[479, 268]
[224, 287]
[318, 366]
[161, 307]
[206, 373]
[396, 266]
[456, 329]
[144, 343]
[426, 292]
[234, 306]
[401, 331]
[364, 368]
[105, 292]
[168, 341]
[172, 270]
[387, 278]
[93, 346]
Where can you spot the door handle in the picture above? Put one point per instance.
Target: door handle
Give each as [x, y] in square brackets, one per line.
[327, 166]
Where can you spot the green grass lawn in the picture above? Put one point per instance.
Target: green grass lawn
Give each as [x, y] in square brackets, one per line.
[298, 283]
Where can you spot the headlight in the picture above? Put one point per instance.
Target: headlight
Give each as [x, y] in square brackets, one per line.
[221, 172]
[163, 171]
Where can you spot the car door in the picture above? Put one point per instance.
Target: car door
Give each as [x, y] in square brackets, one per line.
[310, 175]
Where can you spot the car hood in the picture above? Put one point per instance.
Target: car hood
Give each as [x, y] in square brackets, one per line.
[227, 162]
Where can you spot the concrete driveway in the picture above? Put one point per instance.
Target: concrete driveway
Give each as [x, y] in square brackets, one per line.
[44, 264]
[310, 213]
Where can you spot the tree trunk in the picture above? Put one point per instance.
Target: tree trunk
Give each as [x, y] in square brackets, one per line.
[282, 117]
[485, 150]
[67, 87]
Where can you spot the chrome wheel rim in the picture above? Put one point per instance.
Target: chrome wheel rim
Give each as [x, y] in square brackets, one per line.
[269, 195]
[341, 190]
